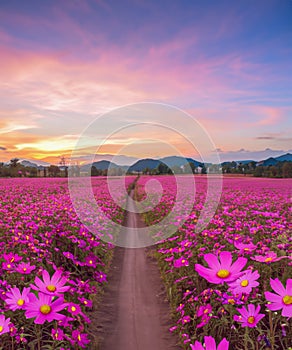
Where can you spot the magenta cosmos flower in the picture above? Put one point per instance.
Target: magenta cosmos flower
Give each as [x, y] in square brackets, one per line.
[80, 338]
[268, 258]
[283, 298]
[210, 344]
[4, 324]
[44, 308]
[223, 270]
[180, 262]
[17, 300]
[249, 317]
[245, 283]
[244, 248]
[51, 285]
[58, 334]
[25, 268]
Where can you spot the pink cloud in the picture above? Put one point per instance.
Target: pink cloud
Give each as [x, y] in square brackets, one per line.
[269, 115]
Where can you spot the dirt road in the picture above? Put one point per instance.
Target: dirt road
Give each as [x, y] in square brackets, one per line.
[134, 314]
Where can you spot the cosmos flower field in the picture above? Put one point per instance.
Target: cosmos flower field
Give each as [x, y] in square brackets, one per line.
[52, 268]
[229, 285]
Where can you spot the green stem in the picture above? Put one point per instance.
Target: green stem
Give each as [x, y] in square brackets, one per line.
[272, 335]
[245, 339]
[39, 335]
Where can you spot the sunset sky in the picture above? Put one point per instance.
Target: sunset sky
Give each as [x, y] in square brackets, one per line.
[227, 63]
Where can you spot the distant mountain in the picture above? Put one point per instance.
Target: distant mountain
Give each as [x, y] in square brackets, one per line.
[33, 162]
[179, 161]
[104, 165]
[273, 161]
[268, 162]
[173, 161]
[142, 164]
[27, 163]
[284, 158]
[101, 165]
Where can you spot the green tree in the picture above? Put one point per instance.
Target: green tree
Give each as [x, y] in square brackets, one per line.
[204, 170]
[53, 170]
[287, 169]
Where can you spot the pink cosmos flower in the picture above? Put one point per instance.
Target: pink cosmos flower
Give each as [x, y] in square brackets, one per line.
[204, 310]
[57, 334]
[245, 283]
[44, 308]
[268, 258]
[180, 262]
[210, 344]
[249, 317]
[12, 258]
[4, 324]
[185, 319]
[223, 270]
[8, 266]
[17, 300]
[74, 309]
[283, 298]
[80, 338]
[100, 276]
[25, 268]
[86, 302]
[244, 247]
[51, 286]
[91, 260]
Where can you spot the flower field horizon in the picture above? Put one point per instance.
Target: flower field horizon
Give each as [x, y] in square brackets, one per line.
[228, 285]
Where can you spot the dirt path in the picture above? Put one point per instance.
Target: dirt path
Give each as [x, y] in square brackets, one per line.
[134, 314]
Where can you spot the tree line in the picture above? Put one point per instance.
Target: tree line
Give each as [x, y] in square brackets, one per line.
[280, 170]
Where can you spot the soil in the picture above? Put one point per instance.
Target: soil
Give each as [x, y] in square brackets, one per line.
[134, 313]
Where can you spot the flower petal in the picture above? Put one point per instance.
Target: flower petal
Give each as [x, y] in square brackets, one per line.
[212, 261]
[278, 286]
[223, 345]
[225, 260]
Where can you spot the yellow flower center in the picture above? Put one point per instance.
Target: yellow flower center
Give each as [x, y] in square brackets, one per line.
[268, 259]
[85, 302]
[251, 319]
[20, 302]
[1, 329]
[45, 309]
[51, 288]
[223, 273]
[24, 269]
[244, 283]
[90, 262]
[183, 261]
[73, 308]
[79, 337]
[231, 301]
[287, 300]
[9, 266]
